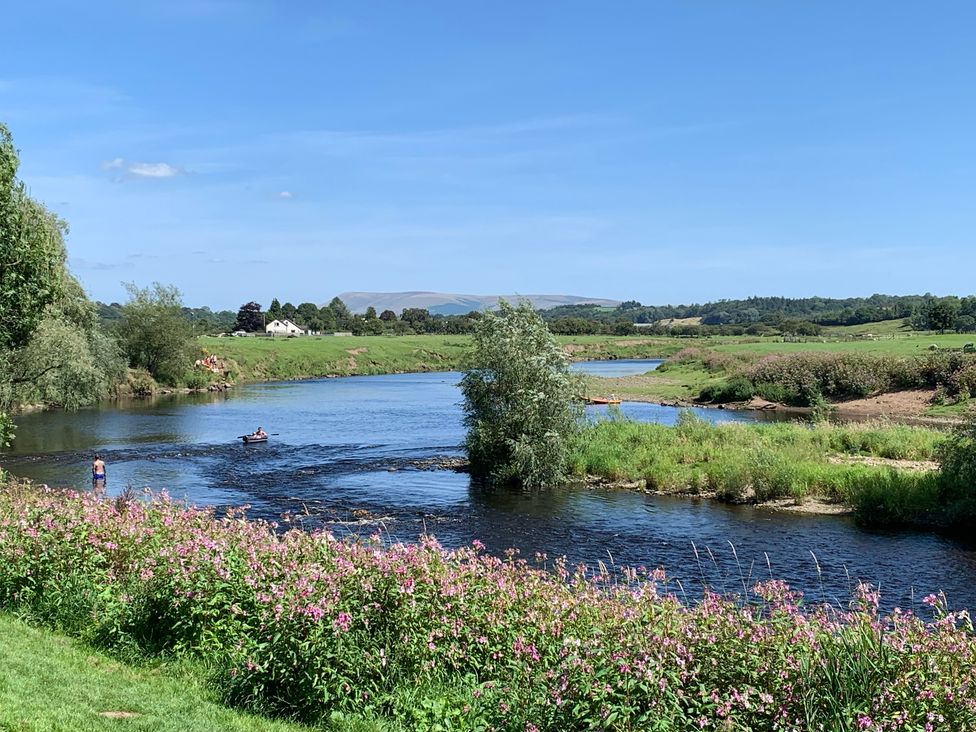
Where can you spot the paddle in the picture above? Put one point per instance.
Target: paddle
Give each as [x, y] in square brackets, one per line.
[270, 434]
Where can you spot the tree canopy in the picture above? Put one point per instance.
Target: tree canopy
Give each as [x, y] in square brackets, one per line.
[32, 253]
[249, 318]
[153, 332]
[52, 348]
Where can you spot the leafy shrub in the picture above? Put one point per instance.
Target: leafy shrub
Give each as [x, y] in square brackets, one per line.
[737, 389]
[197, 379]
[957, 460]
[773, 393]
[807, 376]
[522, 404]
[802, 379]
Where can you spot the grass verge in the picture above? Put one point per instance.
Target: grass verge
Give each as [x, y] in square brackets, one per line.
[50, 683]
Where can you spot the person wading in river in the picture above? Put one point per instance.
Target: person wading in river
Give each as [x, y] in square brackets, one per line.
[99, 475]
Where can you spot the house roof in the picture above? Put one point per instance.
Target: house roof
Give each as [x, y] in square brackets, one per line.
[285, 322]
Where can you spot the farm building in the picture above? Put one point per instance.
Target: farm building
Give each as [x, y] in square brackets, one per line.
[283, 327]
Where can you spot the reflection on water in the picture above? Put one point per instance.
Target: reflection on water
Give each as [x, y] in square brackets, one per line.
[344, 452]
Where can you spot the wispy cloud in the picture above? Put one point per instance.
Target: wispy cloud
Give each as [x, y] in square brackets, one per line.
[83, 263]
[286, 194]
[155, 170]
[143, 170]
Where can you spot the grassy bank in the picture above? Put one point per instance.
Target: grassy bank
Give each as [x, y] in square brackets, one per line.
[255, 359]
[776, 461]
[309, 627]
[944, 379]
[51, 682]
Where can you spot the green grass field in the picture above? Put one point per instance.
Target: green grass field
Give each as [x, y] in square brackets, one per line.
[50, 683]
[878, 328]
[252, 359]
[908, 345]
[294, 358]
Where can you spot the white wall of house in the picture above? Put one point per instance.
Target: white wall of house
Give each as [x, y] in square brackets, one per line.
[283, 327]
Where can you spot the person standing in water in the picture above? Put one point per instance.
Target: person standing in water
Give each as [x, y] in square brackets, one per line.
[98, 472]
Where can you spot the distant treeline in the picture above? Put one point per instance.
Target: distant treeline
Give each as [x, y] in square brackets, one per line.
[752, 316]
[801, 316]
[336, 316]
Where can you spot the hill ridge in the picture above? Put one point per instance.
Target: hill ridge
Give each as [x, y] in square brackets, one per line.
[445, 303]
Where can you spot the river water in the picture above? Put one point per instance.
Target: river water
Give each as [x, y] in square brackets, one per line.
[349, 453]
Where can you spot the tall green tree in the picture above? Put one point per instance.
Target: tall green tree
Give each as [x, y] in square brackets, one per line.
[52, 349]
[940, 314]
[69, 361]
[32, 253]
[250, 319]
[341, 313]
[308, 314]
[274, 309]
[327, 319]
[522, 404]
[154, 333]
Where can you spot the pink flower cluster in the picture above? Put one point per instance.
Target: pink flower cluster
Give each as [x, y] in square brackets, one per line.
[305, 624]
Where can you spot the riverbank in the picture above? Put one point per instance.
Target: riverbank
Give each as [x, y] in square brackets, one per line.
[932, 386]
[305, 626]
[882, 473]
[283, 359]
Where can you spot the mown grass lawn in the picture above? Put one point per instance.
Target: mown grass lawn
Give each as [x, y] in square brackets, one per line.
[50, 683]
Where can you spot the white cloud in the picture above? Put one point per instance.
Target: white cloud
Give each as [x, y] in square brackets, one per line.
[143, 170]
[154, 170]
[286, 194]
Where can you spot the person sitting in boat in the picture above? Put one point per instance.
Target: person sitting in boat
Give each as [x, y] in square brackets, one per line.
[259, 432]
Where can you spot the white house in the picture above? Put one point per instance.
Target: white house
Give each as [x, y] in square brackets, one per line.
[283, 327]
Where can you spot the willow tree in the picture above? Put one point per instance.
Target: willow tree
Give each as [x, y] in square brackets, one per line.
[32, 260]
[154, 333]
[522, 404]
[32, 253]
[52, 350]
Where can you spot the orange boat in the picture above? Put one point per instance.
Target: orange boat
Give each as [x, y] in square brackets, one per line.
[604, 400]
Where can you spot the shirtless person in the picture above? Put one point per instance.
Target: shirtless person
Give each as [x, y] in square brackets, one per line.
[98, 471]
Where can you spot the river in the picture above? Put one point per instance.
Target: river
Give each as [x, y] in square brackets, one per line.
[348, 454]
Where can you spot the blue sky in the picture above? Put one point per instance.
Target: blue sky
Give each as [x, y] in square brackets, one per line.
[660, 151]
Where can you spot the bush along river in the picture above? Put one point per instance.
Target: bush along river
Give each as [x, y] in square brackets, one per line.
[361, 455]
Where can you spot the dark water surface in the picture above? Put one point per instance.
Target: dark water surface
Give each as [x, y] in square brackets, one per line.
[349, 454]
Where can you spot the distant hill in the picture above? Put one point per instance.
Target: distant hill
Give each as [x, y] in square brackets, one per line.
[440, 303]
